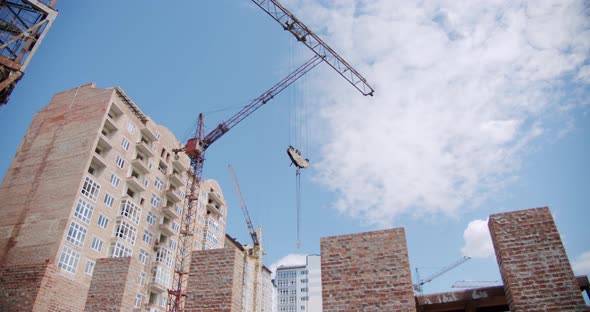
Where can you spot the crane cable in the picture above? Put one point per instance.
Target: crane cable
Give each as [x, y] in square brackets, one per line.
[298, 195]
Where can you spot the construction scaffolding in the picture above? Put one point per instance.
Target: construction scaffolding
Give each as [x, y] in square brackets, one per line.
[23, 26]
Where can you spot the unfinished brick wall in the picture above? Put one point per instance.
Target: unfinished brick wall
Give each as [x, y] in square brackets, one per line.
[215, 280]
[40, 186]
[367, 272]
[114, 284]
[39, 287]
[535, 269]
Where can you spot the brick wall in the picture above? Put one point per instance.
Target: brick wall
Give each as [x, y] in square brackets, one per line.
[39, 287]
[215, 280]
[367, 272]
[535, 269]
[114, 284]
[40, 186]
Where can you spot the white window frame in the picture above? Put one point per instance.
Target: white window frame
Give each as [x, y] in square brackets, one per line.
[151, 218]
[120, 250]
[103, 221]
[130, 127]
[155, 200]
[76, 234]
[68, 261]
[126, 231]
[89, 269]
[96, 244]
[148, 237]
[125, 143]
[115, 180]
[83, 210]
[143, 256]
[159, 184]
[120, 161]
[90, 189]
[130, 210]
[109, 200]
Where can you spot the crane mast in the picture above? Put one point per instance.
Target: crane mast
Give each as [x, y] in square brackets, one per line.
[197, 146]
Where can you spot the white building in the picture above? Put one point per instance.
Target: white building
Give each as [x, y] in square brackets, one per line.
[299, 288]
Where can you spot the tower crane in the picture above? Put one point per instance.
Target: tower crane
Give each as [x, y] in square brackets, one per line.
[196, 147]
[255, 251]
[421, 282]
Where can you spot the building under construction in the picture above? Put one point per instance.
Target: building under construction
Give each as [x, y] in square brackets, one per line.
[23, 26]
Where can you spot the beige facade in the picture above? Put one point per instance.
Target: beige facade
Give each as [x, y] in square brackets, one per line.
[94, 178]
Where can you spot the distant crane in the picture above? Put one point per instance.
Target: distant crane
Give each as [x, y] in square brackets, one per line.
[195, 147]
[421, 282]
[255, 251]
[475, 284]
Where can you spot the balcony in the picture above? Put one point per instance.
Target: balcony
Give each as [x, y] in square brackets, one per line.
[174, 195]
[216, 197]
[140, 165]
[177, 162]
[171, 212]
[104, 143]
[135, 184]
[157, 287]
[215, 209]
[148, 134]
[176, 179]
[166, 228]
[145, 148]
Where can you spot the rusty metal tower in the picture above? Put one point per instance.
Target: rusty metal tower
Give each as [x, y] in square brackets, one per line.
[23, 25]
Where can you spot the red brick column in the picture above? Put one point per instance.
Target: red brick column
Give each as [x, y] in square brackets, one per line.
[535, 269]
[367, 272]
[215, 280]
[115, 282]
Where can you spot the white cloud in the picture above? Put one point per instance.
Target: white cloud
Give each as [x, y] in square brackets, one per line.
[477, 242]
[581, 265]
[462, 89]
[288, 260]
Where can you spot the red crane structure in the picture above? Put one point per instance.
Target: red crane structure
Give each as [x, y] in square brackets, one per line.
[196, 146]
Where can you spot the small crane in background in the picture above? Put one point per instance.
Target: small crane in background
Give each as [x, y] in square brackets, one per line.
[420, 282]
[255, 251]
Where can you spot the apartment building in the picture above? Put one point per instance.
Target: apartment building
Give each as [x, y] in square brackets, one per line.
[299, 288]
[94, 177]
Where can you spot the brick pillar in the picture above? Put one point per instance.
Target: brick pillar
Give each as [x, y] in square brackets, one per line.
[115, 282]
[215, 280]
[367, 272]
[535, 269]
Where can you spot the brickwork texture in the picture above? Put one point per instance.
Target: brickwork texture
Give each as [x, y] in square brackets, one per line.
[114, 284]
[367, 272]
[535, 269]
[39, 287]
[215, 280]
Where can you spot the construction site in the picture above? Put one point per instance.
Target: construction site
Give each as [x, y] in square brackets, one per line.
[104, 209]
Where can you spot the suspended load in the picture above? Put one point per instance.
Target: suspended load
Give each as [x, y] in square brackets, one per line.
[297, 159]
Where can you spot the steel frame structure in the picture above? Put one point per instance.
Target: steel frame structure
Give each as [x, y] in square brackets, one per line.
[23, 26]
[196, 147]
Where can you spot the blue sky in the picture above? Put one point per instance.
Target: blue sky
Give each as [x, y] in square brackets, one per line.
[477, 110]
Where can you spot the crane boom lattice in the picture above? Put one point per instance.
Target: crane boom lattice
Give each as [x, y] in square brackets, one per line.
[243, 205]
[303, 34]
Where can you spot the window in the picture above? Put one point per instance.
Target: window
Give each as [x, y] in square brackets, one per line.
[126, 231]
[120, 161]
[119, 250]
[115, 180]
[165, 256]
[142, 278]
[143, 256]
[181, 194]
[89, 267]
[155, 201]
[304, 280]
[172, 244]
[151, 218]
[179, 210]
[175, 227]
[68, 261]
[125, 143]
[83, 211]
[130, 127]
[90, 189]
[148, 237]
[108, 200]
[157, 135]
[146, 182]
[97, 244]
[159, 183]
[76, 234]
[103, 221]
[131, 211]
